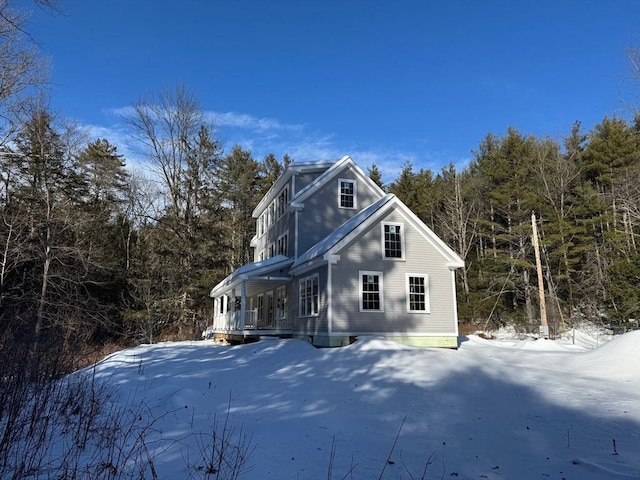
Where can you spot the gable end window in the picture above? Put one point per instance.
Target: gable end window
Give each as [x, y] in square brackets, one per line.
[417, 293]
[393, 241]
[309, 296]
[371, 293]
[347, 193]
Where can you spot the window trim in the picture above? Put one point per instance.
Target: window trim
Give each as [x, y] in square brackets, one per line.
[302, 282]
[355, 193]
[427, 303]
[380, 275]
[283, 200]
[280, 242]
[402, 245]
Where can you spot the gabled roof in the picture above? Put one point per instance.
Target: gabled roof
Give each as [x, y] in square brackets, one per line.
[293, 169]
[331, 169]
[251, 270]
[331, 173]
[349, 230]
[324, 245]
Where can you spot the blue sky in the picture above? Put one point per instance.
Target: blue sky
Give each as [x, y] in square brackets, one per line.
[383, 81]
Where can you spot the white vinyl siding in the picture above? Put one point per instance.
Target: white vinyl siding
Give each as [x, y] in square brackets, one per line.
[309, 296]
[417, 293]
[371, 291]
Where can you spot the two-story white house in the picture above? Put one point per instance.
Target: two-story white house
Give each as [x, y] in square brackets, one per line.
[335, 257]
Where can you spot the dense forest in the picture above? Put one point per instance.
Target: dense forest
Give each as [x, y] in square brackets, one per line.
[94, 251]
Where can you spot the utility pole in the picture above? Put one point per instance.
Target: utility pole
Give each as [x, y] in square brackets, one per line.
[544, 327]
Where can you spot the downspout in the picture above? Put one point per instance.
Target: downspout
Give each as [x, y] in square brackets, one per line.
[331, 260]
[455, 298]
[295, 235]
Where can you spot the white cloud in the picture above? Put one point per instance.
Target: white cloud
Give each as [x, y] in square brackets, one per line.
[262, 135]
[250, 122]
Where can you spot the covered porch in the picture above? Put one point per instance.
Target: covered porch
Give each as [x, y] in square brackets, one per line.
[253, 300]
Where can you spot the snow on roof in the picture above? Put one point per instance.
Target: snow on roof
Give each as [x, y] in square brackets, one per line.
[293, 168]
[253, 269]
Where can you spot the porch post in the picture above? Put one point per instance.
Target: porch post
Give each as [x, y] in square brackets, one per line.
[232, 301]
[243, 304]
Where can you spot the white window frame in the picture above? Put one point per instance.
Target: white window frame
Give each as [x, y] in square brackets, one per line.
[283, 240]
[281, 302]
[355, 193]
[382, 241]
[283, 200]
[261, 255]
[427, 305]
[361, 273]
[302, 296]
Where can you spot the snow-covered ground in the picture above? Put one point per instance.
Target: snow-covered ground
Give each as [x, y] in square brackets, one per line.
[507, 408]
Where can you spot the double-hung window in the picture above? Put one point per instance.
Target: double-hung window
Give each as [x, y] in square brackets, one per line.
[309, 296]
[347, 193]
[282, 245]
[371, 295]
[393, 241]
[417, 293]
[283, 199]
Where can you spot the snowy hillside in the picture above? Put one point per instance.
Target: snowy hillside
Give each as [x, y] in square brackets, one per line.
[509, 409]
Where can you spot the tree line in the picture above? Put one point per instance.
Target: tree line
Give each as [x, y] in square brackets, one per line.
[585, 192]
[92, 250]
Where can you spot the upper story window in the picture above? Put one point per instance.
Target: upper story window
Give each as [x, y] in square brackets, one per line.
[393, 241]
[283, 199]
[347, 193]
[282, 247]
[371, 298]
[261, 228]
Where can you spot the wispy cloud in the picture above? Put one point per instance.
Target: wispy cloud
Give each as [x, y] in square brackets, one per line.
[262, 135]
[250, 122]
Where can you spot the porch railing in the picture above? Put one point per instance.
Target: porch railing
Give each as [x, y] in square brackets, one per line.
[230, 321]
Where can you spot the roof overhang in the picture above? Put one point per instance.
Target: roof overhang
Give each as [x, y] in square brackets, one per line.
[275, 269]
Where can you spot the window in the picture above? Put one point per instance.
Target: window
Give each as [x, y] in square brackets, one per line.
[392, 241]
[272, 250]
[272, 212]
[283, 199]
[309, 287]
[347, 193]
[261, 256]
[261, 225]
[371, 291]
[417, 293]
[282, 245]
[281, 303]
